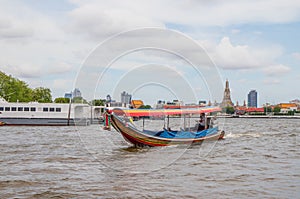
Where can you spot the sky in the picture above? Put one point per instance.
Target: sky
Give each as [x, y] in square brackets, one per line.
[63, 44]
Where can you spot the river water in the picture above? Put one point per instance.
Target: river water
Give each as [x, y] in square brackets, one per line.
[259, 158]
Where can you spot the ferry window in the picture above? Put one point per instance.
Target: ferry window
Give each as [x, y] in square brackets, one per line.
[1, 108]
[51, 109]
[58, 109]
[26, 108]
[7, 108]
[13, 108]
[20, 108]
[32, 109]
[45, 109]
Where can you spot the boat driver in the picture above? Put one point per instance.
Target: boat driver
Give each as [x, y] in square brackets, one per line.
[201, 125]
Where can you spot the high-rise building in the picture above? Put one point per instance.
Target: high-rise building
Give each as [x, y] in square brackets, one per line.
[252, 99]
[227, 99]
[125, 98]
[76, 93]
[68, 95]
[108, 98]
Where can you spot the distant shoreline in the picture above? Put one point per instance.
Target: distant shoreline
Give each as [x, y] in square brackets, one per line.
[260, 116]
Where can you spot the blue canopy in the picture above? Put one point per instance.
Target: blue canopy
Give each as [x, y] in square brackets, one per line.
[187, 134]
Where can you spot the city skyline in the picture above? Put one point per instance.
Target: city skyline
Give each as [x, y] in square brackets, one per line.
[255, 47]
[125, 98]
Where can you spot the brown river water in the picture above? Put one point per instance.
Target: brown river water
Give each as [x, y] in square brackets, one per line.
[259, 158]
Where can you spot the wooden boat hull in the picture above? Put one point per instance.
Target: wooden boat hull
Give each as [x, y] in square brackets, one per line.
[140, 139]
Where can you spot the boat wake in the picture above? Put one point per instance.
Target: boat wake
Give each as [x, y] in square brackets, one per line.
[250, 134]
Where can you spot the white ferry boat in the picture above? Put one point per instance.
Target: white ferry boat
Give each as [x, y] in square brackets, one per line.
[48, 114]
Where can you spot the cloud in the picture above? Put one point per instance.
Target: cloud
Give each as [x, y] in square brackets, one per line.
[296, 55]
[10, 28]
[229, 56]
[37, 44]
[34, 60]
[60, 67]
[24, 22]
[276, 70]
[24, 70]
[34, 45]
[100, 20]
[214, 13]
[235, 31]
[239, 57]
[62, 84]
[12, 23]
[271, 81]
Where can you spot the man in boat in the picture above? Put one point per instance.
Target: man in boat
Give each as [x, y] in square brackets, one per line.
[202, 125]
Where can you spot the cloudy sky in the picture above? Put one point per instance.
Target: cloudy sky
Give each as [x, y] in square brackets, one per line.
[254, 44]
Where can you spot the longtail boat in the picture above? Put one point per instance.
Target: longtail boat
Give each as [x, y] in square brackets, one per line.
[121, 120]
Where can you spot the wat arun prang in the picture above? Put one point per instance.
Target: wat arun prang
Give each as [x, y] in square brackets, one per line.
[226, 99]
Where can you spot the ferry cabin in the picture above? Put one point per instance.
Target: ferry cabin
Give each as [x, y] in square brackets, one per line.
[34, 113]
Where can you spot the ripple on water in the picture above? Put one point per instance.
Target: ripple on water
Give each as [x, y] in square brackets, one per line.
[257, 158]
[51, 194]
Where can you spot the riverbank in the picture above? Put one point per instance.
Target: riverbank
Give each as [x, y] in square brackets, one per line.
[261, 116]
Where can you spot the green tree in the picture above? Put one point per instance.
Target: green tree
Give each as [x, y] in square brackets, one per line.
[42, 95]
[291, 112]
[98, 102]
[267, 109]
[22, 92]
[79, 100]
[276, 109]
[229, 110]
[62, 100]
[145, 107]
[13, 90]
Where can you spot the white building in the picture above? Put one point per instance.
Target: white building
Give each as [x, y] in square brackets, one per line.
[125, 98]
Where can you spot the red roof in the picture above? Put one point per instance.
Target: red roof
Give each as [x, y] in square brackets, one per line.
[241, 108]
[253, 109]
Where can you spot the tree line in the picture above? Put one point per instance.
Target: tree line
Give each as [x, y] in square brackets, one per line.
[15, 90]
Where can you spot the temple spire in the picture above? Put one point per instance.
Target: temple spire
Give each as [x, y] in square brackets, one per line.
[227, 99]
[227, 84]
